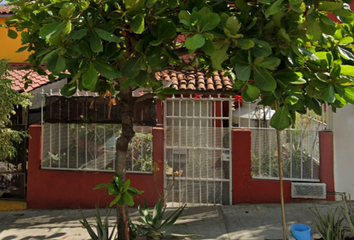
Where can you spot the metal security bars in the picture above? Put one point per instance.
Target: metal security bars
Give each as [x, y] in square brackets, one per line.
[80, 133]
[198, 150]
[300, 145]
[92, 147]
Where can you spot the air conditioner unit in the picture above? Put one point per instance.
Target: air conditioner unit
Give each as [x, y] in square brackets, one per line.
[308, 190]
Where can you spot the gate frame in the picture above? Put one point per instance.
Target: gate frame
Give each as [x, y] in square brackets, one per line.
[217, 119]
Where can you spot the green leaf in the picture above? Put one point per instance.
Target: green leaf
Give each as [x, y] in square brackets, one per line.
[68, 90]
[153, 55]
[347, 70]
[12, 34]
[51, 30]
[328, 94]
[209, 21]
[105, 35]
[314, 105]
[85, 49]
[291, 100]
[245, 44]
[306, 53]
[115, 200]
[106, 70]
[166, 29]
[89, 77]
[194, 42]
[184, 15]
[102, 185]
[274, 8]
[78, 34]
[327, 25]
[56, 63]
[347, 55]
[95, 42]
[168, 90]
[219, 57]
[128, 199]
[314, 31]
[329, 6]
[243, 71]
[280, 119]
[150, 3]
[345, 40]
[156, 42]
[349, 94]
[335, 71]
[264, 80]
[233, 25]
[137, 23]
[132, 67]
[270, 63]
[261, 49]
[21, 49]
[208, 47]
[126, 185]
[253, 92]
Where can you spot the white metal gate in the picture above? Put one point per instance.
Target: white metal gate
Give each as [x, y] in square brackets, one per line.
[198, 150]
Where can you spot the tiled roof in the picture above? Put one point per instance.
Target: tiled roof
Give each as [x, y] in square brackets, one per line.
[18, 83]
[195, 79]
[183, 79]
[6, 9]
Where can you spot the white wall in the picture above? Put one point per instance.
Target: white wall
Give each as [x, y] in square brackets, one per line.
[343, 131]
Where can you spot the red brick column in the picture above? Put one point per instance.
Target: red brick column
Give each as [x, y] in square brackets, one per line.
[327, 162]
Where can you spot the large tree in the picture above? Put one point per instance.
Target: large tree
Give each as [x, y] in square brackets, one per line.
[10, 102]
[287, 51]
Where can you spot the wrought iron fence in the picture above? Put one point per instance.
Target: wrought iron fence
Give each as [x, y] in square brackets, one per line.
[299, 145]
[91, 146]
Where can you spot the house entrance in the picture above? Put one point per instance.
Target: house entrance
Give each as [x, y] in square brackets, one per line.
[198, 150]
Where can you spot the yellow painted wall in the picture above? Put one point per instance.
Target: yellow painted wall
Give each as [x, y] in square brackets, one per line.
[9, 46]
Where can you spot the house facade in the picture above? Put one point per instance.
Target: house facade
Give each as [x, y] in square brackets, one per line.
[209, 148]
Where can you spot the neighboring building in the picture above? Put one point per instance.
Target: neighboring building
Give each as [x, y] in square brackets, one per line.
[343, 130]
[13, 172]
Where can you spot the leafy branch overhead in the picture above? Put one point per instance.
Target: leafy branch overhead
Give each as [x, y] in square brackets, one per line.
[287, 51]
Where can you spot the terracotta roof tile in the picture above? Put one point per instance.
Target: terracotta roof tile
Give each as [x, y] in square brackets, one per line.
[6, 9]
[18, 84]
[195, 79]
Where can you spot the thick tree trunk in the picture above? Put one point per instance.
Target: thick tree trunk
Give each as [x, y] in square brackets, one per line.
[126, 106]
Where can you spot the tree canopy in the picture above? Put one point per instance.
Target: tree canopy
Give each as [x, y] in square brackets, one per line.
[288, 51]
[10, 100]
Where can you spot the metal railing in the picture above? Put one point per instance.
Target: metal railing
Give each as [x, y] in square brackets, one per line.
[300, 145]
[92, 147]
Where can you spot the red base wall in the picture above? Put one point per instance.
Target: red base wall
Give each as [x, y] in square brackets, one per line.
[50, 189]
[248, 190]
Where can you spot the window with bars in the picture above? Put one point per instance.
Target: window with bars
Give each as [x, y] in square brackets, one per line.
[80, 133]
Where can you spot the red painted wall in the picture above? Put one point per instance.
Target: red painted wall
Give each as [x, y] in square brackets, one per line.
[248, 190]
[51, 189]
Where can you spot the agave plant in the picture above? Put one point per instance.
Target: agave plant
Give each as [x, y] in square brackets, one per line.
[329, 225]
[348, 211]
[102, 227]
[155, 226]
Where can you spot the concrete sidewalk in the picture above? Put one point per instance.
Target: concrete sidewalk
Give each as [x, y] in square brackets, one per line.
[243, 221]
